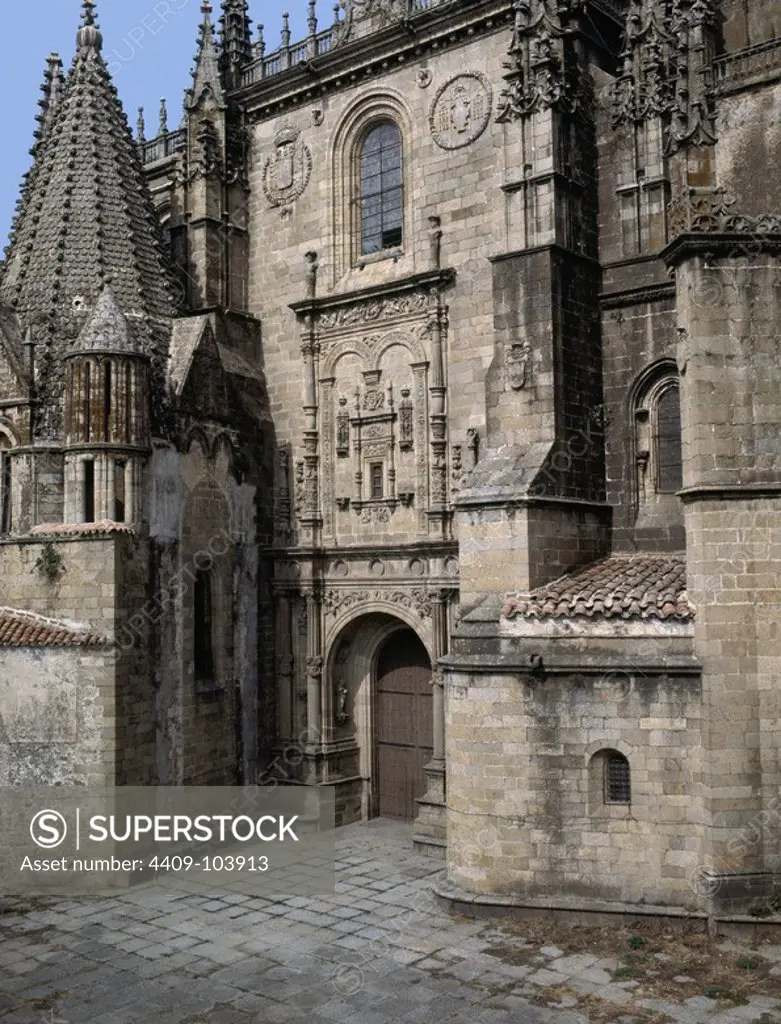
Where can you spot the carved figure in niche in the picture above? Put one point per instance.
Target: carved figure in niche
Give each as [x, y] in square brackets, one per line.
[406, 422]
[342, 693]
[456, 467]
[343, 429]
[517, 361]
[473, 444]
[300, 482]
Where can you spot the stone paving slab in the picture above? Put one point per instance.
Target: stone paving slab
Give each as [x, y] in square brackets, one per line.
[377, 951]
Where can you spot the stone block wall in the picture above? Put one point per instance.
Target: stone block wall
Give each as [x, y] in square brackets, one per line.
[100, 700]
[525, 809]
[436, 182]
[57, 717]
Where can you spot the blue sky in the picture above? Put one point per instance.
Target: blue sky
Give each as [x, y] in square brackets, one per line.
[149, 45]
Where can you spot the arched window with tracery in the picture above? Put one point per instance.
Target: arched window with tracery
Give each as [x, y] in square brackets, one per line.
[658, 453]
[381, 189]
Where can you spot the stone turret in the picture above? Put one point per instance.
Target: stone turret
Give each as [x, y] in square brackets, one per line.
[107, 421]
[86, 220]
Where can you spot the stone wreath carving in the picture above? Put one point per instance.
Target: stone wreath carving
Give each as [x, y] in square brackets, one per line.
[461, 110]
[287, 170]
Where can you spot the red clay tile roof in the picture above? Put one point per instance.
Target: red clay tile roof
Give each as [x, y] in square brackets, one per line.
[26, 629]
[631, 586]
[104, 526]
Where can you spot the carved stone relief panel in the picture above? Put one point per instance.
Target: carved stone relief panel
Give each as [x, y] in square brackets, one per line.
[461, 110]
[288, 167]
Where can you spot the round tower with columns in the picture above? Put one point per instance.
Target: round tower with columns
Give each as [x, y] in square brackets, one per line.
[107, 419]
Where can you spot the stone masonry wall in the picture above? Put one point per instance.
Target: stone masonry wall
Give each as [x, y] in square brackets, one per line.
[56, 716]
[436, 183]
[525, 814]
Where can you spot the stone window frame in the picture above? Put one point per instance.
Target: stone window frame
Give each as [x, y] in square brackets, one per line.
[649, 388]
[598, 804]
[371, 110]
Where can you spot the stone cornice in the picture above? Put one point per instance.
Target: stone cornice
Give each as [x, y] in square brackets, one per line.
[729, 492]
[733, 244]
[554, 248]
[414, 283]
[635, 296]
[354, 61]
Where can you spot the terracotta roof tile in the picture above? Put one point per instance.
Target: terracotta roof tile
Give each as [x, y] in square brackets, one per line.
[80, 529]
[632, 586]
[26, 629]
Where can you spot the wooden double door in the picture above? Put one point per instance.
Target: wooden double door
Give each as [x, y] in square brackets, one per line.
[404, 724]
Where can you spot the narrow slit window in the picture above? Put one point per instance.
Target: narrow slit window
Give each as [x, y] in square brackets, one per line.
[107, 403]
[5, 492]
[202, 627]
[87, 383]
[119, 492]
[381, 189]
[89, 491]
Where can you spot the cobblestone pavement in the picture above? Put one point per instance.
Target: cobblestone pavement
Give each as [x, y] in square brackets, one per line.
[378, 950]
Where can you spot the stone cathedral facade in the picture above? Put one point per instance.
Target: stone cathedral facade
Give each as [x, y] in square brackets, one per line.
[405, 421]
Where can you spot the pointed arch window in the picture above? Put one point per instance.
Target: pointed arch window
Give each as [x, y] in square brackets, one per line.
[657, 435]
[381, 189]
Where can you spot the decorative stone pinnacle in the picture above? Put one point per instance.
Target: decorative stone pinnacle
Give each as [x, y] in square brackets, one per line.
[88, 12]
[89, 36]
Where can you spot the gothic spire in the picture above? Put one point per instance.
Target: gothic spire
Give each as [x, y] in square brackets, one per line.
[235, 41]
[206, 73]
[86, 220]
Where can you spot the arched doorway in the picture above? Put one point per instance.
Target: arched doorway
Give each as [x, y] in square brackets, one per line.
[403, 723]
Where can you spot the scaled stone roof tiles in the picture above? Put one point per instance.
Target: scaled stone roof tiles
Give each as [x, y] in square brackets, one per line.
[26, 629]
[86, 220]
[107, 329]
[630, 586]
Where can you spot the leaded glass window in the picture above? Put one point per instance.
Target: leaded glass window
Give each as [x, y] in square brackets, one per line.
[381, 194]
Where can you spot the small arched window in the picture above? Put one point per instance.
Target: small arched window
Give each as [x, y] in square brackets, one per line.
[609, 784]
[616, 783]
[381, 189]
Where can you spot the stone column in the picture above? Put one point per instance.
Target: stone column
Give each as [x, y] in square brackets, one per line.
[430, 829]
[314, 675]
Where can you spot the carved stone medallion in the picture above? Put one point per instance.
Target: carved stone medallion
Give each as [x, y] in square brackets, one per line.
[288, 169]
[461, 110]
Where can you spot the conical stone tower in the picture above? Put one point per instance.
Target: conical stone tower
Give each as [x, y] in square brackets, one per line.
[86, 223]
